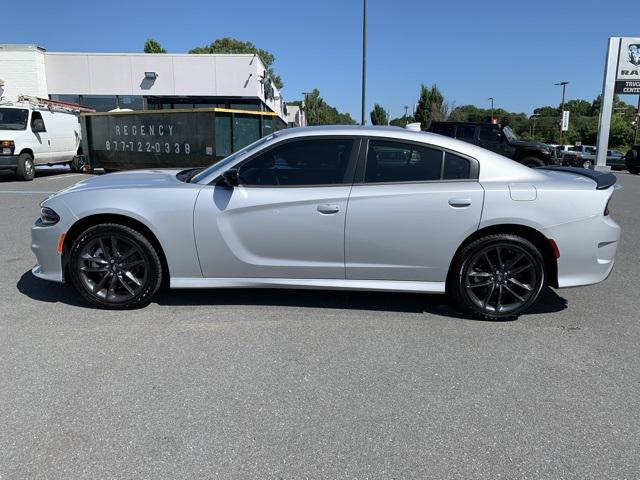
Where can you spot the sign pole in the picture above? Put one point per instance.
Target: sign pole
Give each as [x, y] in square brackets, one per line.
[635, 137]
[606, 103]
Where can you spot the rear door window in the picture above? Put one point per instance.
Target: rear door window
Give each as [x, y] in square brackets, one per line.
[466, 133]
[447, 129]
[490, 134]
[401, 162]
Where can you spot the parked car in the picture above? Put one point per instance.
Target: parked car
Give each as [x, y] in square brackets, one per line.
[377, 208]
[497, 138]
[632, 160]
[585, 156]
[580, 156]
[616, 159]
[32, 135]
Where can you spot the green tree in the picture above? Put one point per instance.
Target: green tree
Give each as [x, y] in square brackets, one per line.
[318, 112]
[578, 107]
[379, 115]
[431, 106]
[151, 46]
[547, 111]
[401, 121]
[231, 45]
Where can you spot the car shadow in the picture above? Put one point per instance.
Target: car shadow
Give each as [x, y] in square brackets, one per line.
[41, 172]
[51, 292]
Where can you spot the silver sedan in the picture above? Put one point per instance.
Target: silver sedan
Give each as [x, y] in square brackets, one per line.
[335, 208]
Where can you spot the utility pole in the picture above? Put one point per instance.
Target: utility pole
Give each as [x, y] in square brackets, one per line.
[491, 100]
[406, 110]
[534, 117]
[635, 137]
[304, 108]
[364, 56]
[564, 87]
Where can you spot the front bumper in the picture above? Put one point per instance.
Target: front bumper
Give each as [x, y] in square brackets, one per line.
[44, 240]
[587, 250]
[8, 162]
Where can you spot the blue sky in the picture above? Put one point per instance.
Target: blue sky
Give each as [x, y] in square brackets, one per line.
[513, 51]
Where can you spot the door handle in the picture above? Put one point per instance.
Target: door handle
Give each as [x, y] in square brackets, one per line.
[328, 209]
[459, 202]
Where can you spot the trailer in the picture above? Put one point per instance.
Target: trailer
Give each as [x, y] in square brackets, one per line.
[177, 138]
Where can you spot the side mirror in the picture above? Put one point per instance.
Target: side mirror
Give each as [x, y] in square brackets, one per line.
[38, 126]
[231, 177]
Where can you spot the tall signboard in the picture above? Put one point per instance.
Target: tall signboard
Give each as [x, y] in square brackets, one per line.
[621, 75]
[565, 120]
[628, 69]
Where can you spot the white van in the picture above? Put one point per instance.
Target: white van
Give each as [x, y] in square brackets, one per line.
[32, 135]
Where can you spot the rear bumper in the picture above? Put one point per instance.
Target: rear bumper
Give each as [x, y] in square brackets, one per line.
[8, 162]
[587, 250]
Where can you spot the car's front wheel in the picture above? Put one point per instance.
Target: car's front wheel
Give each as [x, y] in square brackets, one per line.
[25, 169]
[498, 277]
[114, 266]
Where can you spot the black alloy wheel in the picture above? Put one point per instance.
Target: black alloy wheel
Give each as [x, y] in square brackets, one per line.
[114, 266]
[499, 277]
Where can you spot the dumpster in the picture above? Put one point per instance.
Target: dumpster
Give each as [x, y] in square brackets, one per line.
[170, 138]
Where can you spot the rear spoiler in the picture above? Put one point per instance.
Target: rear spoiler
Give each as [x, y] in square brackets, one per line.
[603, 179]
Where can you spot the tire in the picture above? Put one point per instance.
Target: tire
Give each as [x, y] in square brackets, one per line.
[25, 169]
[491, 292]
[117, 276]
[77, 164]
[631, 161]
[587, 164]
[532, 162]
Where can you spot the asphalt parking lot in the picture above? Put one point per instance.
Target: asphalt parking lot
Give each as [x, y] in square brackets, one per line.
[300, 384]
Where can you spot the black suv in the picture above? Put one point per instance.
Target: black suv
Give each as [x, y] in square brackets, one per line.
[497, 138]
[632, 160]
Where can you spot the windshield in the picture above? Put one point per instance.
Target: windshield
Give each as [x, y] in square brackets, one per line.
[512, 137]
[231, 158]
[13, 119]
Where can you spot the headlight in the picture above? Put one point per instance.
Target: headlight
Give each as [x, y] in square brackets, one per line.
[48, 216]
[7, 147]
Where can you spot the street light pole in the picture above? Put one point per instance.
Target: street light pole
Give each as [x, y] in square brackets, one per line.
[491, 100]
[564, 87]
[364, 55]
[406, 110]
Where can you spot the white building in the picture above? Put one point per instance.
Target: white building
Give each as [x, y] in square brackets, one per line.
[295, 116]
[137, 81]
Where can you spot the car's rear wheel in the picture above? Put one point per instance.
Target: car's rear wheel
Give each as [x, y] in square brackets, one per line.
[25, 169]
[587, 164]
[114, 266]
[498, 277]
[532, 162]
